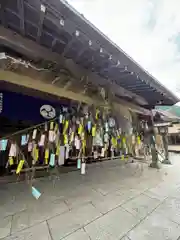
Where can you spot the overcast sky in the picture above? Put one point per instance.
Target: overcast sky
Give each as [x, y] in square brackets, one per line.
[148, 30]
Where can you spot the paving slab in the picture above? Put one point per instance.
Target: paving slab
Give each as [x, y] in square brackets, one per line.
[39, 212]
[155, 226]
[141, 206]
[67, 223]
[5, 226]
[114, 225]
[170, 209]
[78, 235]
[38, 232]
[81, 196]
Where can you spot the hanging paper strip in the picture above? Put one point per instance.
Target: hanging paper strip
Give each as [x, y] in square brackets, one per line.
[34, 134]
[79, 164]
[20, 166]
[124, 140]
[89, 124]
[36, 154]
[24, 140]
[45, 127]
[51, 125]
[102, 152]
[106, 137]
[30, 147]
[77, 143]
[46, 153]
[106, 127]
[67, 152]
[35, 193]
[65, 139]
[94, 131]
[60, 118]
[84, 146]
[3, 144]
[61, 156]
[112, 153]
[83, 168]
[95, 154]
[42, 140]
[56, 127]
[97, 114]
[13, 150]
[80, 129]
[52, 160]
[51, 136]
[11, 161]
[114, 142]
[138, 140]
[66, 124]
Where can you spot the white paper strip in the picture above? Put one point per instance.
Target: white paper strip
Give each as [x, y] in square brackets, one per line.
[45, 126]
[51, 136]
[42, 140]
[13, 150]
[61, 156]
[77, 143]
[60, 118]
[102, 152]
[95, 154]
[83, 168]
[67, 152]
[34, 134]
[30, 146]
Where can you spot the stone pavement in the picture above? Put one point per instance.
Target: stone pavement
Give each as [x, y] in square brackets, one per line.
[111, 202]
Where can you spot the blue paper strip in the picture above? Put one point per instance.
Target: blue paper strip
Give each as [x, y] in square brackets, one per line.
[23, 140]
[35, 193]
[52, 160]
[79, 164]
[89, 125]
[3, 144]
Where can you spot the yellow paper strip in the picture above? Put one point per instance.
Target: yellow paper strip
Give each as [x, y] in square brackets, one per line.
[97, 113]
[80, 129]
[56, 127]
[20, 166]
[84, 146]
[124, 140]
[138, 140]
[46, 161]
[47, 153]
[65, 139]
[94, 131]
[66, 125]
[36, 154]
[114, 142]
[51, 125]
[11, 161]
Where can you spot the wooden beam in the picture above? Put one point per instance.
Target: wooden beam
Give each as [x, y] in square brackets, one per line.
[41, 20]
[20, 4]
[37, 52]
[36, 84]
[2, 10]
